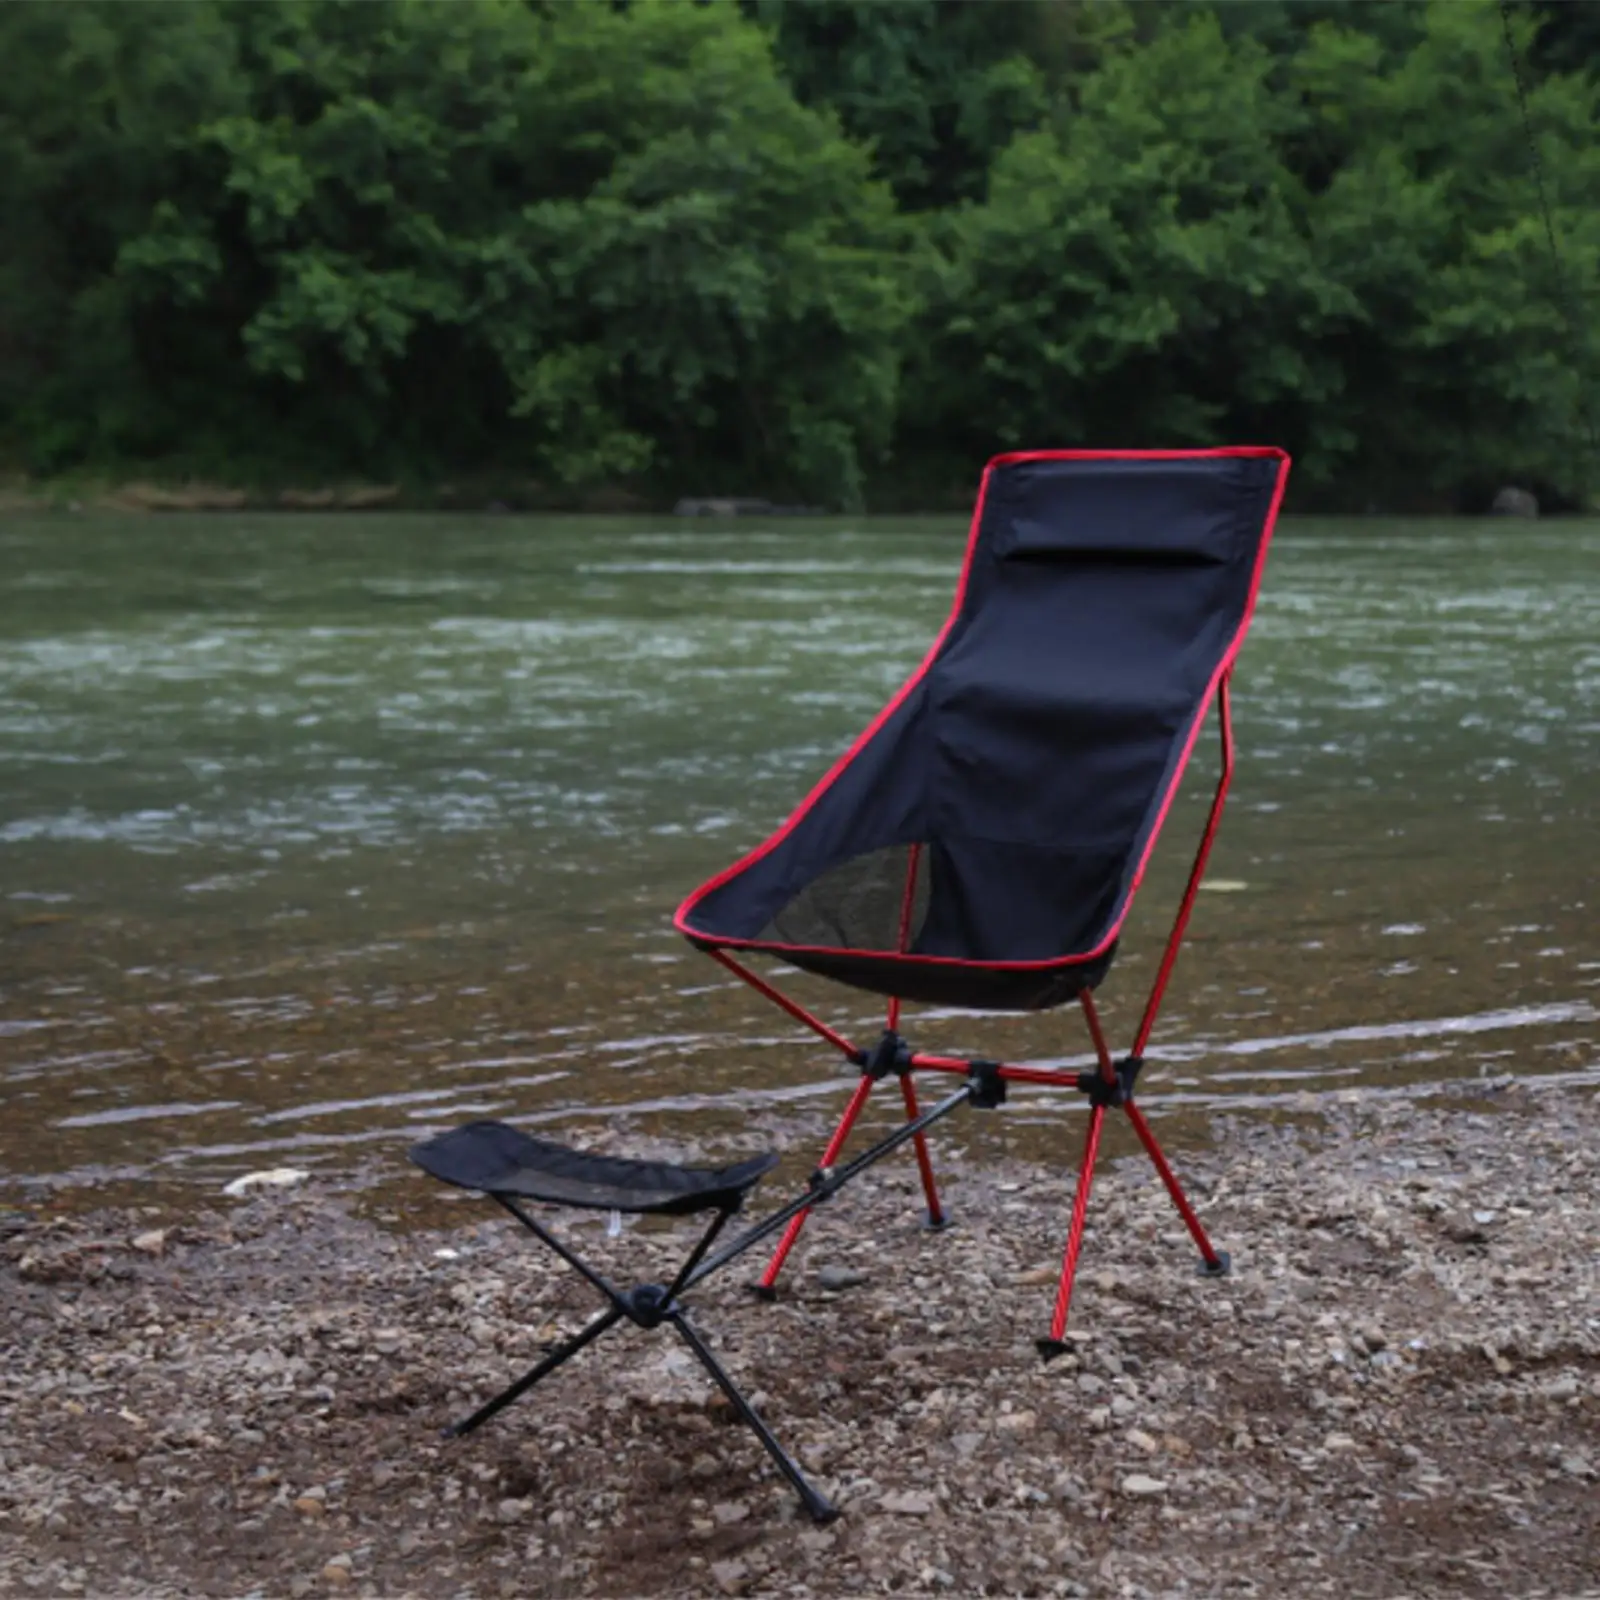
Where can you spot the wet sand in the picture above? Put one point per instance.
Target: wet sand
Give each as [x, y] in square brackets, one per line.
[1397, 1392]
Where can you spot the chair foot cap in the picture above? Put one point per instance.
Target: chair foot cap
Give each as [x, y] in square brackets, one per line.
[943, 1223]
[766, 1292]
[1220, 1268]
[1049, 1349]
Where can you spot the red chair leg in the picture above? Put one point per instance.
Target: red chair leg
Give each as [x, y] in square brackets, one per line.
[936, 1217]
[1052, 1345]
[1215, 1262]
[767, 1284]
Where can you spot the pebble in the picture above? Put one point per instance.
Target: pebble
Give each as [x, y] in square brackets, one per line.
[730, 1576]
[910, 1503]
[1140, 1486]
[837, 1277]
[1017, 1421]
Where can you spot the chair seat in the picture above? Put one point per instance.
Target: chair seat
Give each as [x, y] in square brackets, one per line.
[493, 1158]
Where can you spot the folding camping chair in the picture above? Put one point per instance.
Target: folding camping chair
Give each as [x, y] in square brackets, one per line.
[979, 846]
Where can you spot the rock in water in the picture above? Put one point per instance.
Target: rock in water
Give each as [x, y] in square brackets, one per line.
[272, 1178]
[1514, 502]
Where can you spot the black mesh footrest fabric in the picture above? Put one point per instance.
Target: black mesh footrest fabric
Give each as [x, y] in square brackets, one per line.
[495, 1159]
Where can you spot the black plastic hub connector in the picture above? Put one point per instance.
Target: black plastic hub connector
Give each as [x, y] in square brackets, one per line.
[1116, 1091]
[986, 1089]
[647, 1305]
[890, 1054]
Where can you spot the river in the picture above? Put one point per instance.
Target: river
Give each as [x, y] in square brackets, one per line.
[317, 834]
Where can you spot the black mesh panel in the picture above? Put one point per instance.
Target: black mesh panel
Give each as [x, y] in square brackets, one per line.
[859, 905]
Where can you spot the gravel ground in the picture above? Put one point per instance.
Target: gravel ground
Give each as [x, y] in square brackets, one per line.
[1397, 1393]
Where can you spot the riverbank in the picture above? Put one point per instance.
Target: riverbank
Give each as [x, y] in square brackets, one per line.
[497, 493]
[901, 496]
[1396, 1393]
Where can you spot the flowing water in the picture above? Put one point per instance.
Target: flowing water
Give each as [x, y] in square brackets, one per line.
[317, 834]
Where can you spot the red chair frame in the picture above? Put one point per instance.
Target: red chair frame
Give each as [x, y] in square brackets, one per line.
[1110, 1086]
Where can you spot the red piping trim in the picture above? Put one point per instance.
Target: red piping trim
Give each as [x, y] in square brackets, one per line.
[1224, 666]
[1258, 452]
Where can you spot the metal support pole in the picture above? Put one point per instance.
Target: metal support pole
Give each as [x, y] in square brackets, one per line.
[820, 1509]
[1215, 1261]
[1052, 1345]
[852, 1111]
[830, 1185]
[930, 1192]
[606, 1319]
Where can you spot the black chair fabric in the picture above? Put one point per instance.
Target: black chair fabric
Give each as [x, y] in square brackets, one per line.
[981, 842]
[492, 1158]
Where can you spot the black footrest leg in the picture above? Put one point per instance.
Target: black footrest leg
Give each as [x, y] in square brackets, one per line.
[818, 1507]
[1220, 1268]
[556, 1358]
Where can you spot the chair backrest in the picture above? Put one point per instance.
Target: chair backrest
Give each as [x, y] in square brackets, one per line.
[981, 842]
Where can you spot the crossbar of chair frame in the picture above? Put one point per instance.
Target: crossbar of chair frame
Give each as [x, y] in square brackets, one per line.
[1112, 1091]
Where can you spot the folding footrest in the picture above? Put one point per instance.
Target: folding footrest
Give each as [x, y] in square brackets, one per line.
[495, 1159]
[509, 1166]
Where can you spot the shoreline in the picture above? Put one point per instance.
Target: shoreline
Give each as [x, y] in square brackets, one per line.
[507, 495]
[1397, 1392]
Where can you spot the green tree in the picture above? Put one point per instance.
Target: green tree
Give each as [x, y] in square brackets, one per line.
[330, 240]
[711, 283]
[1461, 363]
[937, 88]
[413, 236]
[96, 106]
[1139, 270]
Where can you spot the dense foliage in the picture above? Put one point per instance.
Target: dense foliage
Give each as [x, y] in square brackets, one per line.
[816, 248]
